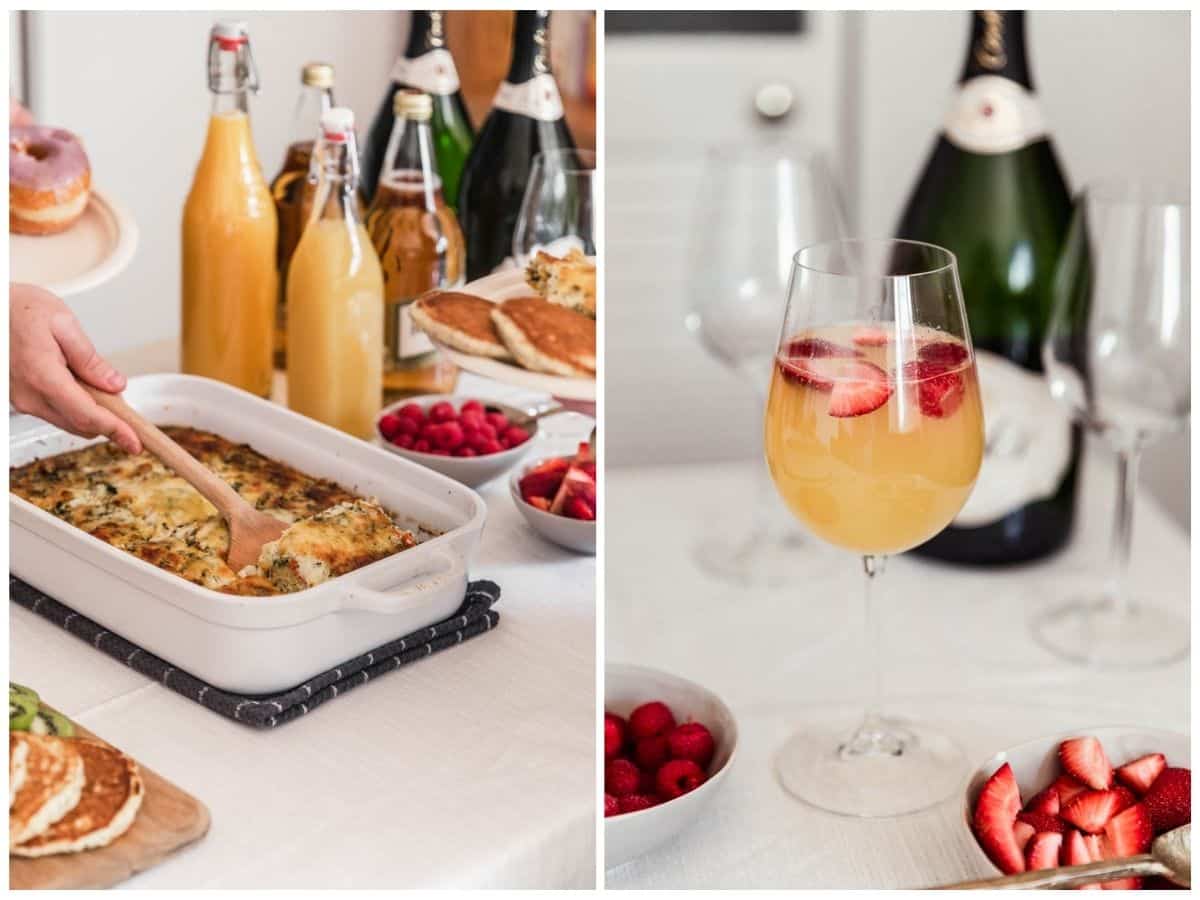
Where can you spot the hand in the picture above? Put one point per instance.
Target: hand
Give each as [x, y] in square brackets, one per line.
[47, 351]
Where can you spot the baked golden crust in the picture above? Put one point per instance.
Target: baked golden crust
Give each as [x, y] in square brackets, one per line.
[138, 505]
[569, 281]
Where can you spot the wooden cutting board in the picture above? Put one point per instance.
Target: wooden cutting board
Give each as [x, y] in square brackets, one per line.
[168, 819]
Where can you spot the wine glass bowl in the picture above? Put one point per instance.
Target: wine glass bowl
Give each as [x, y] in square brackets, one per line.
[874, 438]
[559, 207]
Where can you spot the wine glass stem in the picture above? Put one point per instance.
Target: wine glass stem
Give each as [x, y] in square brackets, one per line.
[1122, 538]
[874, 737]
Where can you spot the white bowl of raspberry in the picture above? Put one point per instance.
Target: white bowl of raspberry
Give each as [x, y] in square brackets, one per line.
[1082, 796]
[468, 439]
[668, 744]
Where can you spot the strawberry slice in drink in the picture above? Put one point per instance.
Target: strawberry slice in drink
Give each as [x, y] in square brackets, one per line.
[939, 387]
[814, 347]
[576, 497]
[855, 386]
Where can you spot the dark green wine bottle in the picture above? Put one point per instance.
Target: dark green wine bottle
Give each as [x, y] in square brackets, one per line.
[993, 193]
[425, 66]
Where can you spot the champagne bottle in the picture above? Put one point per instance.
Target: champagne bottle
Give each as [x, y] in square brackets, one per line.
[526, 119]
[993, 193]
[425, 66]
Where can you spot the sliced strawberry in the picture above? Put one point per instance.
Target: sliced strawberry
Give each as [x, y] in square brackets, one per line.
[1084, 759]
[950, 353]
[1091, 810]
[1125, 798]
[810, 347]
[1043, 851]
[1041, 821]
[1128, 834]
[995, 816]
[1066, 787]
[543, 480]
[939, 387]
[1046, 802]
[1140, 773]
[1023, 833]
[869, 336]
[1169, 800]
[862, 388]
[1075, 851]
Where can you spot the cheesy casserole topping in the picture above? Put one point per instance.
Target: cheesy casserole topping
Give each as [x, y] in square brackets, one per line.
[138, 505]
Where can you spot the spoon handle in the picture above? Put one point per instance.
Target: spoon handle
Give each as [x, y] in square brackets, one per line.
[215, 490]
[1069, 876]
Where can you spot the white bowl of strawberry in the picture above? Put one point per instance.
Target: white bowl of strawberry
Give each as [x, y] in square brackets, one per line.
[470, 440]
[557, 496]
[668, 743]
[1102, 793]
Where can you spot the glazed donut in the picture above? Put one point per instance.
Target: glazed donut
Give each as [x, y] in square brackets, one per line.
[48, 179]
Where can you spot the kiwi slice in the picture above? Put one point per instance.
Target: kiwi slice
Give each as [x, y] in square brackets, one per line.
[22, 708]
[48, 722]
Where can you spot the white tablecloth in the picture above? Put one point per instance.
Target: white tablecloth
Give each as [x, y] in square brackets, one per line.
[474, 768]
[957, 652]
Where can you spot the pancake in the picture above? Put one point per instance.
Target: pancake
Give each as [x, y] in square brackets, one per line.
[107, 805]
[54, 778]
[548, 338]
[18, 753]
[461, 322]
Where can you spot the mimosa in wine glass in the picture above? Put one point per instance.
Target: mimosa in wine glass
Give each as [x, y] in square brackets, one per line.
[874, 437]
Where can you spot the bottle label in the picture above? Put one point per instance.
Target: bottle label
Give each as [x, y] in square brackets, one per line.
[537, 98]
[432, 72]
[1028, 442]
[991, 114]
[410, 341]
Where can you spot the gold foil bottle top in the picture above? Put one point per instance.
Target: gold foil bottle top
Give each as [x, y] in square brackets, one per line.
[411, 104]
[317, 74]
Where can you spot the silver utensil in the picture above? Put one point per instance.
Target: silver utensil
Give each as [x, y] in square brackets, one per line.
[1170, 856]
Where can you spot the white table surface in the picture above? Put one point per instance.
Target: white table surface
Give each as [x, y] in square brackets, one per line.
[957, 653]
[474, 768]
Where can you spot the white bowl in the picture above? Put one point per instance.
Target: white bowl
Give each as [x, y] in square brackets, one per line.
[1035, 764]
[626, 687]
[468, 470]
[574, 534]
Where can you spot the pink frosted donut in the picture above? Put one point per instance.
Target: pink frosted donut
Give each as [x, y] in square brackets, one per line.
[48, 179]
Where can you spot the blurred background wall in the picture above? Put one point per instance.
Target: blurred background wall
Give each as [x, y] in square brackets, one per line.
[133, 86]
[869, 89]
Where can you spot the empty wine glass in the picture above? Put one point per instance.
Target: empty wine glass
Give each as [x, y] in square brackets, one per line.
[559, 207]
[1117, 353]
[755, 207]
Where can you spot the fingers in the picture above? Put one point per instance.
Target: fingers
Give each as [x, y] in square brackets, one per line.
[72, 408]
[82, 357]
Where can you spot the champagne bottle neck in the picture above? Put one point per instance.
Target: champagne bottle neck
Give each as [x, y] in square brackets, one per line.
[531, 46]
[997, 47]
[426, 33]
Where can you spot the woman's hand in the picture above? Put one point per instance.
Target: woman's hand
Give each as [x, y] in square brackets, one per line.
[47, 352]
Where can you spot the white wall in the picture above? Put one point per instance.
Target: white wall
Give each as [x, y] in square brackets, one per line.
[133, 85]
[1116, 91]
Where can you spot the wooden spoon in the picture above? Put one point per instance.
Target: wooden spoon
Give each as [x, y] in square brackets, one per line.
[249, 529]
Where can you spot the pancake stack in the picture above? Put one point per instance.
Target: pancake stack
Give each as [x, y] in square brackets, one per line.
[68, 794]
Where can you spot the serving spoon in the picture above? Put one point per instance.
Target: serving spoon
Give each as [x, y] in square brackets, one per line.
[249, 529]
[1170, 856]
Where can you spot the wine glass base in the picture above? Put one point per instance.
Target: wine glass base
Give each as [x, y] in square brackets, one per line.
[1089, 631]
[885, 769]
[761, 560]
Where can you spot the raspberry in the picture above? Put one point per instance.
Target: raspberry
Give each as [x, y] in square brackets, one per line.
[693, 741]
[492, 446]
[651, 752]
[678, 777]
[611, 806]
[473, 407]
[404, 441]
[621, 777]
[488, 431]
[472, 418]
[516, 435]
[439, 451]
[429, 432]
[450, 435]
[465, 452]
[636, 802]
[614, 735]
[412, 411]
[389, 425]
[408, 425]
[497, 420]
[442, 411]
[651, 720]
[421, 445]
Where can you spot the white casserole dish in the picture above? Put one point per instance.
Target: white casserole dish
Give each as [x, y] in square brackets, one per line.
[255, 645]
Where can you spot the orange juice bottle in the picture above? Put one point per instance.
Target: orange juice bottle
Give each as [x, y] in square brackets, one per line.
[335, 295]
[229, 232]
[287, 188]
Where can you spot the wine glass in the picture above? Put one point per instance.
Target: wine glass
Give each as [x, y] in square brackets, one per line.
[559, 206]
[754, 207]
[1117, 353]
[874, 437]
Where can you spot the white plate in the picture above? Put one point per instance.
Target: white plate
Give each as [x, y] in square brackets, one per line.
[92, 251]
[505, 286]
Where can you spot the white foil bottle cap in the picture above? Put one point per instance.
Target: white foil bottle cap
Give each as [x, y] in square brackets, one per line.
[338, 120]
[230, 28]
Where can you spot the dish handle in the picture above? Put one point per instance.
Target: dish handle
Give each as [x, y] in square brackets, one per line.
[449, 573]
